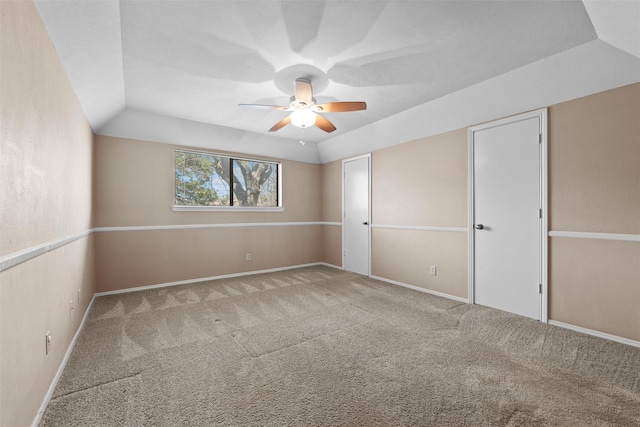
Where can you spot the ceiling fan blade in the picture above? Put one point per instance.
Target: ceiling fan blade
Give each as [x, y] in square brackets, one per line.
[324, 124]
[262, 106]
[339, 107]
[304, 92]
[282, 123]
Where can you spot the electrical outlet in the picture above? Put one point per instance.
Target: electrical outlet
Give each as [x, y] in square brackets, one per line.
[433, 271]
[71, 308]
[248, 257]
[47, 343]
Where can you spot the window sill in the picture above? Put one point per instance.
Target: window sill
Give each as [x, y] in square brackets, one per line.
[224, 209]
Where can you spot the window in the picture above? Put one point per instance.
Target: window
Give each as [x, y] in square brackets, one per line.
[207, 180]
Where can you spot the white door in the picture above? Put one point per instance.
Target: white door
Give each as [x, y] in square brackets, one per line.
[507, 223]
[355, 223]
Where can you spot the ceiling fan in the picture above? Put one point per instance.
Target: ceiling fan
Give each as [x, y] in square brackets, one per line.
[304, 110]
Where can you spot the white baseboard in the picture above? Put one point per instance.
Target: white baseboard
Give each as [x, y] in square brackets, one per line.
[63, 364]
[204, 279]
[598, 334]
[419, 289]
[326, 264]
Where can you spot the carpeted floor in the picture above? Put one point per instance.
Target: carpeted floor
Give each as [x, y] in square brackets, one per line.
[322, 347]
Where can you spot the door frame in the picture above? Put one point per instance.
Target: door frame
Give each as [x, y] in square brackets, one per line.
[544, 223]
[350, 159]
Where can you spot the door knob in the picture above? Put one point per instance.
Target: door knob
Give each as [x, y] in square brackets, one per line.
[365, 223]
[479, 227]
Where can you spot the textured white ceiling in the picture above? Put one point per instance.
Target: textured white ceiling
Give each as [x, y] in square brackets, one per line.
[191, 62]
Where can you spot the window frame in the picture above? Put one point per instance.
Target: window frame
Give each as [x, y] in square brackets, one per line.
[230, 208]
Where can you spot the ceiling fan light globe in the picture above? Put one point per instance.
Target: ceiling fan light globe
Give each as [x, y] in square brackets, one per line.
[303, 118]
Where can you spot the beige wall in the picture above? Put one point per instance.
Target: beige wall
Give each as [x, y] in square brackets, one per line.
[421, 183]
[331, 191]
[595, 284]
[127, 194]
[594, 158]
[128, 259]
[332, 245]
[45, 171]
[594, 182]
[406, 256]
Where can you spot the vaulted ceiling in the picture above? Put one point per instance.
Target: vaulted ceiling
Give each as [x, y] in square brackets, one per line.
[174, 71]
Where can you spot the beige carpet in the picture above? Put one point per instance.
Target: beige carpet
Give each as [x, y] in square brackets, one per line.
[322, 347]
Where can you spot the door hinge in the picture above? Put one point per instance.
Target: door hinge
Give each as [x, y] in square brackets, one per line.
[540, 213]
[539, 138]
[540, 288]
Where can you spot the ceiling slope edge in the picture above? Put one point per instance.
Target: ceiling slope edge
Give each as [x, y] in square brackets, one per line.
[146, 126]
[617, 23]
[89, 33]
[590, 68]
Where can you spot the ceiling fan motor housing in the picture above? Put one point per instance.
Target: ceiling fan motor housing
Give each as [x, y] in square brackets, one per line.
[298, 104]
